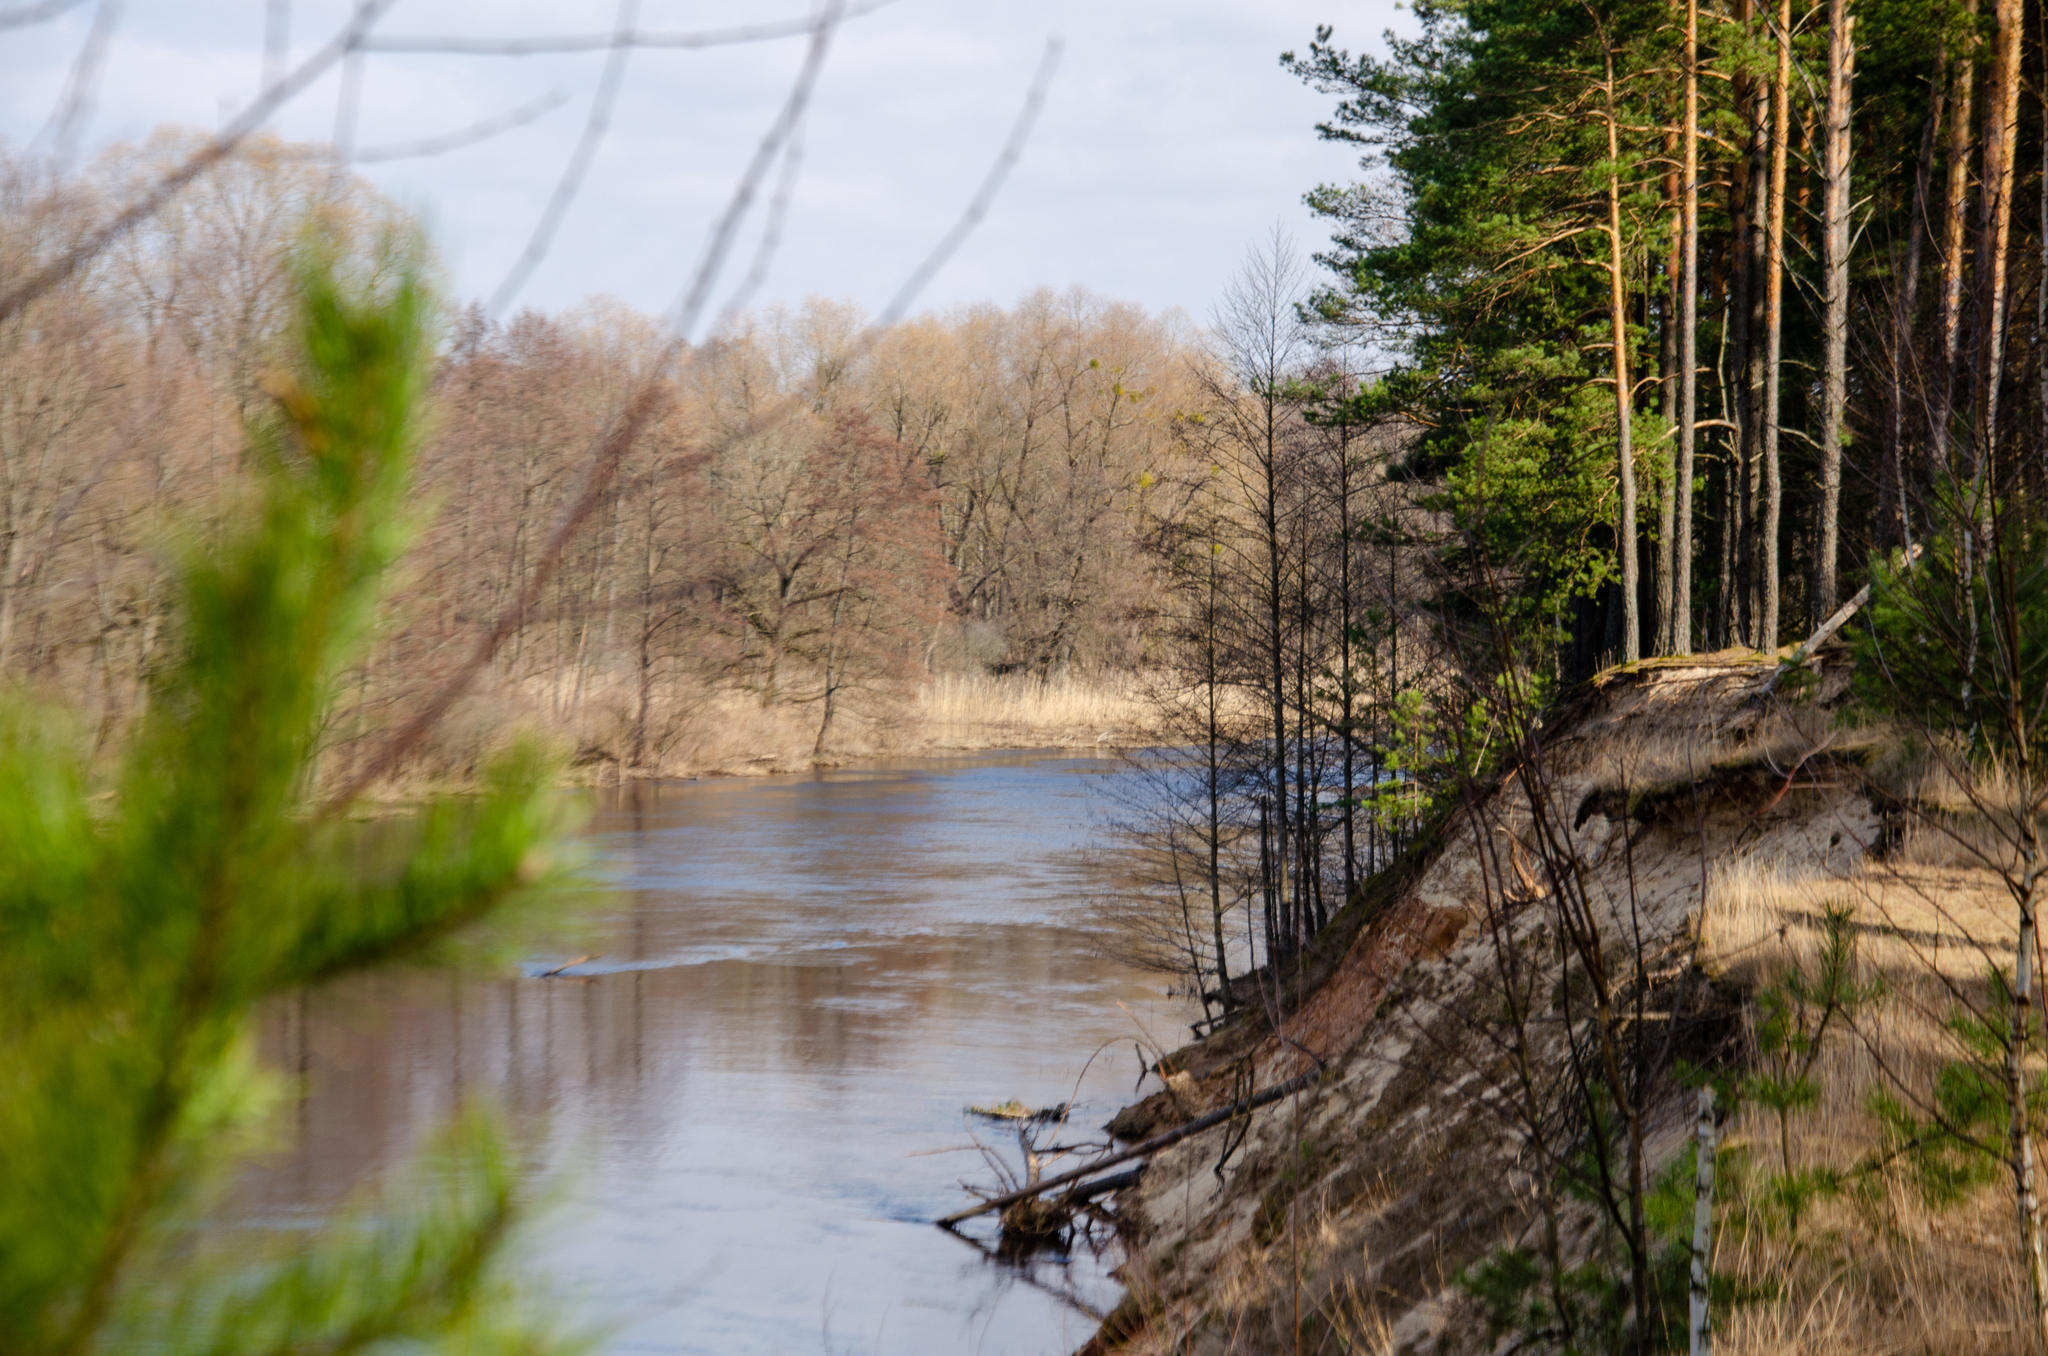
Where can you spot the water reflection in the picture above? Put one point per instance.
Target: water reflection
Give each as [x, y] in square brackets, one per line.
[802, 980]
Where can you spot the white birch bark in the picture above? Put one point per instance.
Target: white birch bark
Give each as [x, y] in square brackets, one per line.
[1700, 1326]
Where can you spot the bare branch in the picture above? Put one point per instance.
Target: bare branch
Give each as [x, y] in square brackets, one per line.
[222, 146]
[76, 101]
[651, 396]
[25, 15]
[598, 42]
[277, 40]
[977, 207]
[594, 128]
[347, 104]
[712, 262]
[771, 229]
[469, 136]
[639, 410]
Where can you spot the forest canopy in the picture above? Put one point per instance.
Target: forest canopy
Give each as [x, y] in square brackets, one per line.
[1793, 237]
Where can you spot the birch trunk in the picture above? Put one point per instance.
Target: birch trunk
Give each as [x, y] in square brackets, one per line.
[1700, 1327]
[2020, 1131]
[2001, 135]
[1835, 320]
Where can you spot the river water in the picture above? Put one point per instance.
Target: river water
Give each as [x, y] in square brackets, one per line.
[801, 982]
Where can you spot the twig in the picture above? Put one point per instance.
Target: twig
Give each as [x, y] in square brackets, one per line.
[712, 263]
[277, 40]
[469, 136]
[565, 965]
[1145, 1150]
[594, 129]
[24, 15]
[348, 102]
[76, 102]
[978, 205]
[222, 146]
[597, 42]
[641, 407]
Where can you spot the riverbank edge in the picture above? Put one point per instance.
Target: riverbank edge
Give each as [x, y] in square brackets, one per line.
[409, 793]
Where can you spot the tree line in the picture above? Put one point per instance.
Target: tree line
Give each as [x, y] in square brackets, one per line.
[814, 519]
[1694, 310]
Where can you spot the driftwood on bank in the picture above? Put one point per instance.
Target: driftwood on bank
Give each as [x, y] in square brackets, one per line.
[1149, 1147]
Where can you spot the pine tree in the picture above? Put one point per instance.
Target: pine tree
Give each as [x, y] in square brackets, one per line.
[139, 929]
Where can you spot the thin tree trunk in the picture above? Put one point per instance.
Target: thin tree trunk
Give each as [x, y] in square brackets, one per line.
[1667, 408]
[1908, 301]
[1278, 657]
[1722, 477]
[1631, 625]
[1744, 265]
[1754, 370]
[1210, 681]
[2001, 136]
[1688, 340]
[2020, 1137]
[1955, 220]
[1344, 639]
[1701, 1327]
[1774, 328]
[1835, 320]
[2001, 144]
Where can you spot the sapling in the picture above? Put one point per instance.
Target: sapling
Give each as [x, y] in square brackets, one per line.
[147, 911]
[1794, 1017]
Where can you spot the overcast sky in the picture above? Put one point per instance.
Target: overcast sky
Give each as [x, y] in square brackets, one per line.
[1171, 140]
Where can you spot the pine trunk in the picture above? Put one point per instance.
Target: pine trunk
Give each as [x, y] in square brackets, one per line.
[1743, 371]
[1625, 540]
[1835, 207]
[1907, 305]
[1667, 407]
[2001, 143]
[1955, 215]
[1774, 328]
[1688, 339]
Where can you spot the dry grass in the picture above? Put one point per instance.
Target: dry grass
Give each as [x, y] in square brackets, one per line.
[1875, 1269]
[698, 730]
[1017, 710]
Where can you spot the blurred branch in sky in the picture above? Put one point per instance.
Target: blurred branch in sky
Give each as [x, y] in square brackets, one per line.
[24, 15]
[599, 42]
[467, 136]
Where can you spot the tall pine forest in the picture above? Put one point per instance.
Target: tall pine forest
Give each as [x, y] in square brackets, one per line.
[1690, 312]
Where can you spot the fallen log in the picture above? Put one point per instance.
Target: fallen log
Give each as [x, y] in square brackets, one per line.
[1827, 629]
[1149, 1147]
[1102, 1186]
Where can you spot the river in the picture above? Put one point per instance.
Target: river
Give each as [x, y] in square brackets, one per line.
[751, 1102]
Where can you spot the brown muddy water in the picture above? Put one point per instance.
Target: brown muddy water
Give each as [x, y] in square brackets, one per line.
[803, 981]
